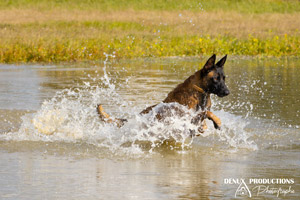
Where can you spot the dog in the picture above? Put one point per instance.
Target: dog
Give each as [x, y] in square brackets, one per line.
[194, 93]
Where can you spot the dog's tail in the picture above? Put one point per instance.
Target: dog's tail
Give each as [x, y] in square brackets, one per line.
[106, 118]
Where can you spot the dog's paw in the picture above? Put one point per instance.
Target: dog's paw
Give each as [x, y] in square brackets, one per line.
[217, 126]
[200, 130]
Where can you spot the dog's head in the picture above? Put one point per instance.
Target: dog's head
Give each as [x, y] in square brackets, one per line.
[213, 76]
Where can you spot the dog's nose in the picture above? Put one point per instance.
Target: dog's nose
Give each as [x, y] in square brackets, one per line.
[227, 92]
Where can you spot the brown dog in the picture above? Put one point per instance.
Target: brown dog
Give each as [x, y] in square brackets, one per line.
[194, 93]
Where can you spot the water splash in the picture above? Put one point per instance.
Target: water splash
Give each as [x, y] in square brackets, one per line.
[70, 116]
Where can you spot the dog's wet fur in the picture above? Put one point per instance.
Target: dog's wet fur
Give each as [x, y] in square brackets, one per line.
[194, 93]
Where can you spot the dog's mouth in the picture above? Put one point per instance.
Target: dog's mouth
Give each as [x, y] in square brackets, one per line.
[223, 94]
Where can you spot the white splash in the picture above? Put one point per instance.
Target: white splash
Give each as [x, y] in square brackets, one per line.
[70, 116]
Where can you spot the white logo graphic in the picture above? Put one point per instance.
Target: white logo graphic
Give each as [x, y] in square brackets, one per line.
[242, 190]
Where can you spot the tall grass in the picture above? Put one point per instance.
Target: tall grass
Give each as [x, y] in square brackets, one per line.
[246, 6]
[74, 30]
[55, 50]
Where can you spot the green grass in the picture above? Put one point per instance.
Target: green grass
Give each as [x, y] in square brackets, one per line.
[246, 6]
[45, 50]
[75, 30]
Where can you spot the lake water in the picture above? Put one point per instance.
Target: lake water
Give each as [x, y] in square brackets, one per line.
[53, 145]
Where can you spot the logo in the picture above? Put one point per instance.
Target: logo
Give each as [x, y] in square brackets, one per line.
[242, 190]
[262, 187]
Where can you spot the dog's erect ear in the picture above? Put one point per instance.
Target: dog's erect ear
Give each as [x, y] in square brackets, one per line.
[222, 61]
[210, 63]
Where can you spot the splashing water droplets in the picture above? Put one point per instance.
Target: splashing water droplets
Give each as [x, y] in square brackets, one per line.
[70, 116]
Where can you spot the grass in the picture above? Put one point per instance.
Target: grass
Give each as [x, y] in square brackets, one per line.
[73, 30]
[245, 6]
[66, 49]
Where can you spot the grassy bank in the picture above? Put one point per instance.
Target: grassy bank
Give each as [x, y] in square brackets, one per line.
[70, 30]
[245, 6]
[45, 50]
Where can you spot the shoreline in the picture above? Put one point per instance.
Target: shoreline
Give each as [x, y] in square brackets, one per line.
[79, 31]
[61, 50]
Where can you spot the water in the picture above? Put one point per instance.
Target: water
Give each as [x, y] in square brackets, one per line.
[53, 146]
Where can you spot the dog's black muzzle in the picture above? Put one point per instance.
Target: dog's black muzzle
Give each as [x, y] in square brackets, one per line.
[223, 93]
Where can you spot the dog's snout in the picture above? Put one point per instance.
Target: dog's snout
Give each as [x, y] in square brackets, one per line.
[224, 93]
[227, 92]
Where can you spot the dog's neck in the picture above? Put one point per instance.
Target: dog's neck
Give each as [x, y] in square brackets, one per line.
[199, 89]
[198, 83]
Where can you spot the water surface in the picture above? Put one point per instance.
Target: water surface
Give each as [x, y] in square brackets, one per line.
[53, 146]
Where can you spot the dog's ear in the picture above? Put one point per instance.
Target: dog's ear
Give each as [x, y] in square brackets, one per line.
[222, 61]
[210, 63]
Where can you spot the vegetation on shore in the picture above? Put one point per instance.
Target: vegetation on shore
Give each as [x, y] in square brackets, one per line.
[73, 30]
[44, 50]
[245, 6]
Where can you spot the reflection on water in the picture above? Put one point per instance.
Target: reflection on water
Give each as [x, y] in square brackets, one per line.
[82, 158]
[20, 88]
[200, 173]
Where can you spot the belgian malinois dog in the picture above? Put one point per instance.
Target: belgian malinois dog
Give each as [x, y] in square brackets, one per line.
[194, 93]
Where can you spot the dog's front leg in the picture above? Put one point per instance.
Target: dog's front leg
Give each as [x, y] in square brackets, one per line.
[106, 118]
[215, 119]
[199, 120]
